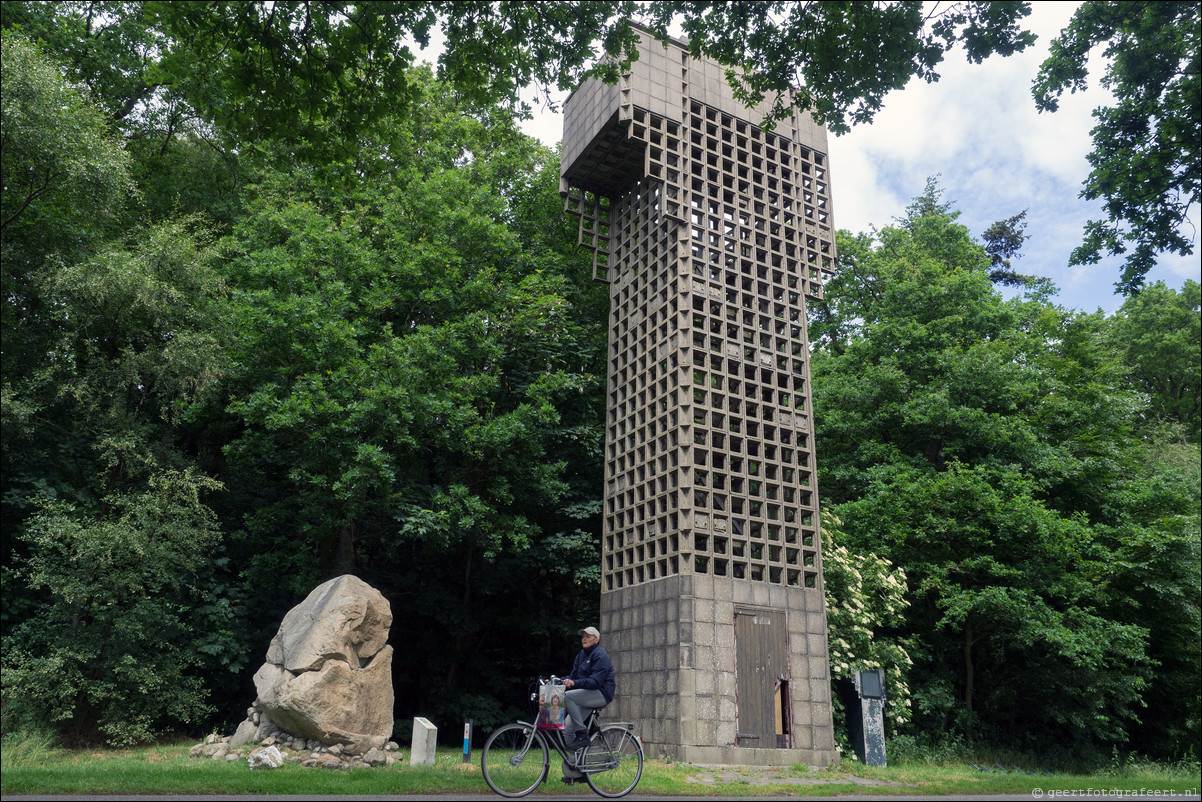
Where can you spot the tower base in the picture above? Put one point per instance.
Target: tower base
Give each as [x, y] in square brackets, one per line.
[722, 671]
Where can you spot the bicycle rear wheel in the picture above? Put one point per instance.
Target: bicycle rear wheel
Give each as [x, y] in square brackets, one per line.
[514, 760]
[613, 762]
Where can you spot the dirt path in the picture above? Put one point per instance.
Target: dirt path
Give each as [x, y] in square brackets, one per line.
[781, 775]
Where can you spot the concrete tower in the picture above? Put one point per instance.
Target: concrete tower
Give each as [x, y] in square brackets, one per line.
[711, 233]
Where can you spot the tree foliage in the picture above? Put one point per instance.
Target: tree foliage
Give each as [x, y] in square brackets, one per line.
[1147, 160]
[109, 653]
[988, 448]
[1160, 332]
[839, 60]
[105, 521]
[416, 390]
[59, 157]
[319, 75]
[110, 345]
[300, 69]
[1003, 242]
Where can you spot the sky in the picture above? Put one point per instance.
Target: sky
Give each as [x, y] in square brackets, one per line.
[978, 131]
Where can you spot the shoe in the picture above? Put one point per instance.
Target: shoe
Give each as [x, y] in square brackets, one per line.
[579, 742]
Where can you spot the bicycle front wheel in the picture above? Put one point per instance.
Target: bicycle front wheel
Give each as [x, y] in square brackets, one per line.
[613, 762]
[514, 760]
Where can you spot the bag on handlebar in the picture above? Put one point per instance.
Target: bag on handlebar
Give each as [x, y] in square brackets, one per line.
[550, 707]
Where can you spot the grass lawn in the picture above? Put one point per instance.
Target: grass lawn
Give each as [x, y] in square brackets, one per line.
[164, 769]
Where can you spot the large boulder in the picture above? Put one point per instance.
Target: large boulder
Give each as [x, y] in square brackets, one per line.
[328, 674]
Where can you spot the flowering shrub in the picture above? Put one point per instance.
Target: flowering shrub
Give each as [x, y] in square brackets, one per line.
[865, 599]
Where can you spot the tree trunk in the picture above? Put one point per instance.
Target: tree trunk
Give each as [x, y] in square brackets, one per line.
[461, 643]
[344, 557]
[968, 676]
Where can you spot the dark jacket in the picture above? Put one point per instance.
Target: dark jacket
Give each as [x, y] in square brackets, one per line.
[593, 670]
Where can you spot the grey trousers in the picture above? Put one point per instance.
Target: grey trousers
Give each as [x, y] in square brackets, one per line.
[579, 701]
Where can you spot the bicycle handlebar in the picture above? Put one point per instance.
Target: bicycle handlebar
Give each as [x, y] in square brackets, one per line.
[552, 680]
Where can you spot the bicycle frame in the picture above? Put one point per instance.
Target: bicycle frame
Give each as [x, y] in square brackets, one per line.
[555, 740]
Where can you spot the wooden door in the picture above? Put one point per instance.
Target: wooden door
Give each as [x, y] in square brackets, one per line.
[761, 676]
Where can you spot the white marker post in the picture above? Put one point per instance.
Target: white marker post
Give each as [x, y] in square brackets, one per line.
[425, 743]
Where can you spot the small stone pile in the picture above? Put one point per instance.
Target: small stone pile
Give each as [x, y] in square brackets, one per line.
[278, 747]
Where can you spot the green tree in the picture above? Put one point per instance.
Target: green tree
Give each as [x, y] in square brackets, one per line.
[134, 347]
[391, 361]
[110, 623]
[1157, 332]
[109, 48]
[59, 158]
[1160, 333]
[1003, 242]
[107, 345]
[1003, 626]
[1156, 560]
[109, 654]
[316, 75]
[416, 371]
[61, 171]
[64, 179]
[1147, 160]
[988, 448]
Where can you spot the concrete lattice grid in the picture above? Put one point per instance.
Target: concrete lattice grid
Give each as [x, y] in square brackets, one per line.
[711, 232]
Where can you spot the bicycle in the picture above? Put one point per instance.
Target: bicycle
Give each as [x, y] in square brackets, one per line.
[517, 757]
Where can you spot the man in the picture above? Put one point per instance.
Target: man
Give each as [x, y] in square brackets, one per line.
[590, 685]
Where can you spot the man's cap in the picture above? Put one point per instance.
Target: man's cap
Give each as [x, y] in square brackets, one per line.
[591, 631]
